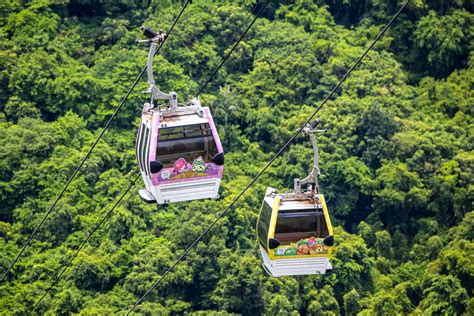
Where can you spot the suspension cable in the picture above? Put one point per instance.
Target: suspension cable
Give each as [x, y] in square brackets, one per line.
[119, 107]
[58, 277]
[205, 83]
[88, 236]
[290, 140]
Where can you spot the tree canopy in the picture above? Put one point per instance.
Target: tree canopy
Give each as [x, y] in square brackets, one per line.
[397, 161]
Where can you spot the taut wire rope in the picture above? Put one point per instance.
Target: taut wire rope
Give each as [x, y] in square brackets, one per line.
[83, 243]
[211, 76]
[89, 235]
[290, 140]
[71, 178]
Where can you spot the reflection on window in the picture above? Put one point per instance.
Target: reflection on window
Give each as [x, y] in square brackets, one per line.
[188, 142]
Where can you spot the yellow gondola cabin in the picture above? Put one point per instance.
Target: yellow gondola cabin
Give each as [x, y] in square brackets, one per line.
[294, 230]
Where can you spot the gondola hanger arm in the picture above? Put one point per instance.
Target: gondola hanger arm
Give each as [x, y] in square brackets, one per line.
[155, 38]
[270, 162]
[312, 178]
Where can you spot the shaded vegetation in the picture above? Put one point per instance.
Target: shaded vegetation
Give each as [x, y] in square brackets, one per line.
[397, 163]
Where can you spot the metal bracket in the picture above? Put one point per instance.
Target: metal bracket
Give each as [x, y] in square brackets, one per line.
[155, 38]
[312, 179]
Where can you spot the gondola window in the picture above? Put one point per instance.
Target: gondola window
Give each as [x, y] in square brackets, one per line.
[264, 224]
[188, 142]
[141, 147]
[294, 226]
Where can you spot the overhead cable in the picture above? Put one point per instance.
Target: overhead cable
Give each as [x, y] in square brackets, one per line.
[117, 109]
[290, 140]
[211, 76]
[88, 236]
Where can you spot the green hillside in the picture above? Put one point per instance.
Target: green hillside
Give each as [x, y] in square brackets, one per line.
[397, 161]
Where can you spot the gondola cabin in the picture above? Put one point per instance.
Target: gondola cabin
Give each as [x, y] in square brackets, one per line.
[177, 147]
[295, 234]
[294, 230]
[179, 154]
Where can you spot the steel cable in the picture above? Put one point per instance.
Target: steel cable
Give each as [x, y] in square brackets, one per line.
[88, 236]
[209, 79]
[118, 108]
[290, 140]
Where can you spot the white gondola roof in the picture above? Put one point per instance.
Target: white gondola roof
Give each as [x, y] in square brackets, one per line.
[183, 120]
[291, 204]
[298, 205]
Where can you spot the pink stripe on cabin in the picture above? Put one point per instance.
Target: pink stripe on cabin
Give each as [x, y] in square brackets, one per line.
[215, 135]
[217, 174]
[153, 145]
[214, 130]
[192, 179]
[154, 135]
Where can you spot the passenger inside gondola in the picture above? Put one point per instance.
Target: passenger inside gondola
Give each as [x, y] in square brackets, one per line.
[187, 142]
[293, 226]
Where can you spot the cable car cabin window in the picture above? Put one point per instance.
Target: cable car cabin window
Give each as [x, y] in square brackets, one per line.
[294, 226]
[138, 146]
[188, 142]
[146, 150]
[141, 147]
[264, 224]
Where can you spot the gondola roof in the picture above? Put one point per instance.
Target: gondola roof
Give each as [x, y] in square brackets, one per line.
[189, 118]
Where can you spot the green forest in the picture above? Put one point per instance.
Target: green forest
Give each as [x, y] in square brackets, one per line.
[397, 161]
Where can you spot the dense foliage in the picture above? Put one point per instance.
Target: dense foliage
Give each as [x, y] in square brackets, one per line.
[397, 161]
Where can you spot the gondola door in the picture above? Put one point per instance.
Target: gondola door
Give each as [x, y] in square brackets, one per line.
[142, 149]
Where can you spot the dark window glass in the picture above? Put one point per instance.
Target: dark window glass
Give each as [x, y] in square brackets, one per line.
[264, 224]
[137, 146]
[140, 151]
[188, 142]
[186, 131]
[137, 143]
[296, 225]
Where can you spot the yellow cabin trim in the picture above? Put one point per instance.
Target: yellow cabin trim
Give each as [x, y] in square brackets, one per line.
[273, 221]
[326, 255]
[271, 232]
[326, 214]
